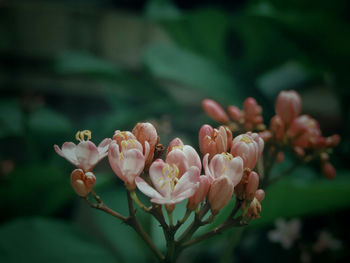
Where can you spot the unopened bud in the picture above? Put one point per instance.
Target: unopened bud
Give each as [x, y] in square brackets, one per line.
[220, 193]
[82, 183]
[260, 195]
[235, 113]
[288, 106]
[200, 194]
[333, 140]
[252, 186]
[215, 111]
[280, 157]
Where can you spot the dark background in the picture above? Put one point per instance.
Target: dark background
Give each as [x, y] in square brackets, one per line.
[105, 65]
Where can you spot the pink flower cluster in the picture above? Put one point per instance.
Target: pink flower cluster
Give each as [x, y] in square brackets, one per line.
[227, 163]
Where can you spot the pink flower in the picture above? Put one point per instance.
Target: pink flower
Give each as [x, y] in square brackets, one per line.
[200, 194]
[328, 170]
[235, 113]
[249, 147]
[146, 132]
[183, 156]
[214, 141]
[277, 127]
[252, 186]
[126, 157]
[85, 155]
[82, 183]
[168, 188]
[225, 172]
[215, 111]
[252, 112]
[288, 106]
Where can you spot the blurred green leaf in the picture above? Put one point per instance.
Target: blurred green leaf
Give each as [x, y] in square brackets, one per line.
[84, 64]
[41, 240]
[47, 121]
[181, 66]
[158, 9]
[34, 190]
[194, 31]
[11, 122]
[294, 198]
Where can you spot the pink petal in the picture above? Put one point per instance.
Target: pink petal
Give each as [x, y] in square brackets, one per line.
[183, 195]
[190, 180]
[234, 170]
[159, 180]
[220, 193]
[206, 167]
[68, 152]
[217, 166]
[87, 155]
[132, 164]
[192, 157]
[178, 158]
[103, 148]
[114, 160]
[146, 188]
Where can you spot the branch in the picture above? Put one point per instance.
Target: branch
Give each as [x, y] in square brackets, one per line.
[134, 223]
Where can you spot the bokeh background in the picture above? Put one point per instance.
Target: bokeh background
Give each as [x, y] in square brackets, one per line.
[106, 65]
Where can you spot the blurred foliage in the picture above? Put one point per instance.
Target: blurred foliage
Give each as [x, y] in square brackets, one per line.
[218, 49]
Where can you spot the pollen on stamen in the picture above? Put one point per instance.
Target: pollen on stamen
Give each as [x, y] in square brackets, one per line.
[246, 139]
[80, 135]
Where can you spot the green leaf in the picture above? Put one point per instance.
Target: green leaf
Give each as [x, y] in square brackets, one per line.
[42, 240]
[183, 67]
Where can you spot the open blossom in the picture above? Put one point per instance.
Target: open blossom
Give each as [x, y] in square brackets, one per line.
[82, 183]
[215, 111]
[225, 172]
[126, 157]
[249, 147]
[286, 232]
[146, 132]
[168, 188]
[85, 155]
[288, 106]
[183, 156]
[214, 141]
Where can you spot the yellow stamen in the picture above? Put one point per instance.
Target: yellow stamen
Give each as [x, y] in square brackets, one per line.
[246, 139]
[227, 156]
[80, 135]
[180, 147]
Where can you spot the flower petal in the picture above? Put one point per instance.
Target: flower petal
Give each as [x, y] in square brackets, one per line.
[159, 180]
[178, 158]
[103, 148]
[68, 152]
[190, 180]
[114, 160]
[192, 157]
[234, 170]
[146, 188]
[87, 155]
[132, 164]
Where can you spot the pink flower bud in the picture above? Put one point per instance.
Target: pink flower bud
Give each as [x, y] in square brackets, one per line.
[254, 210]
[304, 132]
[215, 111]
[277, 127]
[252, 186]
[220, 193]
[248, 149]
[146, 132]
[235, 113]
[251, 109]
[82, 183]
[200, 194]
[288, 106]
[214, 141]
[328, 170]
[260, 195]
[265, 135]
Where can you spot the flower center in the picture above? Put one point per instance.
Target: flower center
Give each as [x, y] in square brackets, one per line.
[128, 143]
[246, 139]
[80, 135]
[171, 174]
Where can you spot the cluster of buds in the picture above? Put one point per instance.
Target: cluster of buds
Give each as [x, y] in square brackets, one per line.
[287, 130]
[249, 118]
